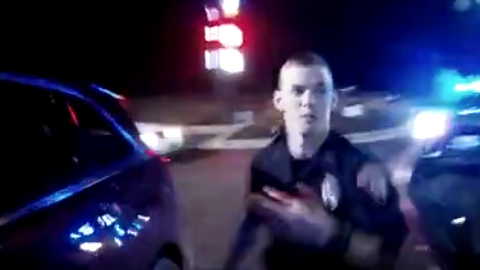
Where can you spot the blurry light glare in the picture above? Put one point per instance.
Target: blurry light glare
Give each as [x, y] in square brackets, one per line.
[108, 92]
[433, 155]
[229, 60]
[466, 87]
[469, 111]
[461, 87]
[212, 59]
[353, 111]
[430, 124]
[86, 229]
[101, 222]
[232, 61]
[462, 5]
[212, 33]
[207, 33]
[91, 246]
[475, 85]
[231, 7]
[132, 232]
[230, 35]
[143, 218]
[150, 139]
[465, 142]
[108, 219]
[172, 132]
[459, 221]
[213, 13]
[75, 236]
[137, 225]
[118, 242]
[119, 230]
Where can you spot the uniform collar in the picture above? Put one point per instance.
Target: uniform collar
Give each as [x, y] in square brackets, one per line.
[279, 161]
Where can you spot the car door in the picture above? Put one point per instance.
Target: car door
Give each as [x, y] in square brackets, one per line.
[78, 180]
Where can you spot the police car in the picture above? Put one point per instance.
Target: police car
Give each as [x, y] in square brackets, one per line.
[444, 185]
[454, 123]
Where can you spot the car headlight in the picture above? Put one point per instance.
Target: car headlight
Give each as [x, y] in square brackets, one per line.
[161, 138]
[430, 124]
[151, 139]
[174, 133]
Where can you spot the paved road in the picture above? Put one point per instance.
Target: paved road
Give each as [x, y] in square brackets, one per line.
[211, 185]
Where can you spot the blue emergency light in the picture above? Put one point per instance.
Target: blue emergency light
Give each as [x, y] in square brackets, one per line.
[473, 86]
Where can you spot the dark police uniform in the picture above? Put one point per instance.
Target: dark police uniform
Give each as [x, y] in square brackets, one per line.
[332, 173]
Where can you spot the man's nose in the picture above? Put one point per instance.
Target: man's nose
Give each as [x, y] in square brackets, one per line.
[308, 98]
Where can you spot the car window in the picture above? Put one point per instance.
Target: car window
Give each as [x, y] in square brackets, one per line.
[48, 141]
[117, 110]
[99, 143]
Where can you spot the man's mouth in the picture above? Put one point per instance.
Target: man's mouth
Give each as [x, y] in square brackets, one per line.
[309, 117]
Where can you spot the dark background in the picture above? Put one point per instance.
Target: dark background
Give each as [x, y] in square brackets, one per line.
[139, 48]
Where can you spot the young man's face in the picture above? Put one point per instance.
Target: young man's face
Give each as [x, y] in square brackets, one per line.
[305, 98]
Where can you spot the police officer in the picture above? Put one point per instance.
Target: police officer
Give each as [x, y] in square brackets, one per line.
[326, 204]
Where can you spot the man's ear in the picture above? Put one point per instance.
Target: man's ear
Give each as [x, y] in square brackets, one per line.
[277, 100]
[334, 97]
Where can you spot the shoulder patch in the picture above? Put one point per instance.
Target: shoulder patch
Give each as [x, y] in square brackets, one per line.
[330, 192]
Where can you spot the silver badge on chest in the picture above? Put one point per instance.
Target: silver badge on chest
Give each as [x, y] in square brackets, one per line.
[330, 192]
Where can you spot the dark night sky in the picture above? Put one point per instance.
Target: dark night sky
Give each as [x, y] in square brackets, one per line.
[158, 47]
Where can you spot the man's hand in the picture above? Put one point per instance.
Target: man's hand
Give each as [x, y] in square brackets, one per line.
[363, 251]
[373, 178]
[299, 219]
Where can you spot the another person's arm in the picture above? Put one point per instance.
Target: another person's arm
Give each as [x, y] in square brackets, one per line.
[380, 229]
[386, 229]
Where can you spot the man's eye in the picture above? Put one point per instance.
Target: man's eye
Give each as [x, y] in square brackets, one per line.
[321, 90]
[298, 90]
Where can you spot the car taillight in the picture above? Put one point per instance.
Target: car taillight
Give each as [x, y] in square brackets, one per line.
[123, 102]
[165, 159]
[152, 153]
[151, 139]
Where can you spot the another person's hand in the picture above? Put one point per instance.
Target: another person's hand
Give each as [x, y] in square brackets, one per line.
[300, 219]
[373, 178]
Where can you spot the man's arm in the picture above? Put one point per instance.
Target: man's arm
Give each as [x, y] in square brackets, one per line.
[245, 238]
[244, 241]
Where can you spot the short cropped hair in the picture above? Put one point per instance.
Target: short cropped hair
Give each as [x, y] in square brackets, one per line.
[306, 59]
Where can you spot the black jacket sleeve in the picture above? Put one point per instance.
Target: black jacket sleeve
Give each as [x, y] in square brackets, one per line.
[246, 235]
